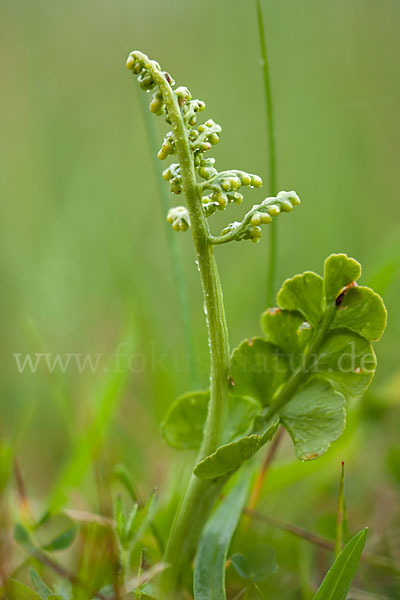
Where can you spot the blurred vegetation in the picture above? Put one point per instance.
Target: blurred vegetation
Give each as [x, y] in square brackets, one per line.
[84, 260]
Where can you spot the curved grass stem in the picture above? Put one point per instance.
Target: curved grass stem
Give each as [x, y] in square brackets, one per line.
[273, 239]
[374, 560]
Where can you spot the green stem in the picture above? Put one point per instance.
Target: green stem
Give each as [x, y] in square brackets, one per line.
[340, 516]
[190, 519]
[243, 225]
[257, 587]
[173, 245]
[200, 494]
[272, 189]
[302, 372]
[272, 264]
[124, 559]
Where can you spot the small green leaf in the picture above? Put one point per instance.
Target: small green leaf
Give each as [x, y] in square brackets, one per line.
[129, 529]
[42, 589]
[121, 472]
[132, 521]
[120, 518]
[62, 541]
[258, 565]
[242, 411]
[303, 293]
[184, 423]
[209, 571]
[338, 580]
[314, 418]
[23, 537]
[19, 591]
[362, 311]
[230, 456]
[347, 360]
[339, 272]
[258, 369]
[241, 565]
[288, 330]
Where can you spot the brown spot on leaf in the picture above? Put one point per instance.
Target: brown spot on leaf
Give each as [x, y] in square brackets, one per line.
[358, 370]
[344, 291]
[232, 382]
[250, 342]
[311, 456]
[274, 311]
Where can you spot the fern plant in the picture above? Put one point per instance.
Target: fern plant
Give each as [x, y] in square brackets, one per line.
[315, 352]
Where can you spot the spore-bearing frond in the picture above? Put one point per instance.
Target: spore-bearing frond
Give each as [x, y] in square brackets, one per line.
[260, 214]
[219, 188]
[216, 189]
[179, 218]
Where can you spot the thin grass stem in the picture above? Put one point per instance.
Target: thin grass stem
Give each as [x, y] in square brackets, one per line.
[340, 515]
[375, 560]
[272, 171]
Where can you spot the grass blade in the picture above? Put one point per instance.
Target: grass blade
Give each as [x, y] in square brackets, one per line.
[42, 589]
[209, 573]
[338, 580]
[62, 541]
[271, 137]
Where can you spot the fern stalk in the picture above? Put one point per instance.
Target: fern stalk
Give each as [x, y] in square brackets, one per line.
[200, 494]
